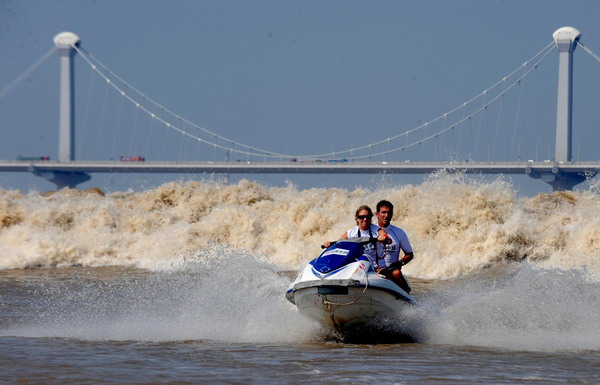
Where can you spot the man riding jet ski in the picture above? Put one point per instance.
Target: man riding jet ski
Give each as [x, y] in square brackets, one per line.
[342, 290]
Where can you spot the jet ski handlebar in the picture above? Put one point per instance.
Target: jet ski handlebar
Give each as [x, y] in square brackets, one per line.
[361, 240]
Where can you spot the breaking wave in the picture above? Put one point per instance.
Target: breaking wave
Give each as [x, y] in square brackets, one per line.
[457, 225]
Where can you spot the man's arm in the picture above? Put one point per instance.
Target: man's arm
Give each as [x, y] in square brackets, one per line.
[407, 258]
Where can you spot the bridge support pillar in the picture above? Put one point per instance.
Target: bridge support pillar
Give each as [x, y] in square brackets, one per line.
[64, 179]
[560, 180]
[564, 181]
[65, 42]
[566, 39]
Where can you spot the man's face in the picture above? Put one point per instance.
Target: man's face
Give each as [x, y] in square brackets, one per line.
[384, 216]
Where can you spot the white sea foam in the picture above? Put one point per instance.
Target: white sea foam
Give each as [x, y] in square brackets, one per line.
[219, 295]
[456, 225]
[530, 309]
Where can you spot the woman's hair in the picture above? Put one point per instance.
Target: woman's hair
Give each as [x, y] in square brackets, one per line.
[361, 208]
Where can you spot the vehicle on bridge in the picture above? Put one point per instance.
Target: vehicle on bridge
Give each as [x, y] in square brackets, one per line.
[330, 160]
[44, 158]
[132, 159]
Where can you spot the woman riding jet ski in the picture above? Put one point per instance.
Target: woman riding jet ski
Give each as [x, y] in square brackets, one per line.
[341, 290]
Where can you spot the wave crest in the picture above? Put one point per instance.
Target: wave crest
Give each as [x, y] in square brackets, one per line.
[457, 225]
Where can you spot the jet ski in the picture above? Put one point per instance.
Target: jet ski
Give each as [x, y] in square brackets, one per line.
[341, 290]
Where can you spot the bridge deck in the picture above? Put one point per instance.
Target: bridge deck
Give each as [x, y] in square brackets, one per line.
[311, 167]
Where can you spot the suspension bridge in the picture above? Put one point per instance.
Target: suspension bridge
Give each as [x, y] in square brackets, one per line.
[562, 173]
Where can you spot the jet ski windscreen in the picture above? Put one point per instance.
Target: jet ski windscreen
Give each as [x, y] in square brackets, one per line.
[337, 255]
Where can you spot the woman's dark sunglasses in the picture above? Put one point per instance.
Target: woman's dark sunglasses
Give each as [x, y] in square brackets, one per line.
[363, 216]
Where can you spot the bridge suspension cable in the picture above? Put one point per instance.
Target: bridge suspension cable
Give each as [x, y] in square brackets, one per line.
[254, 151]
[586, 49]
[27, 72]
[541, 55]
[546, 51]
[527, 67]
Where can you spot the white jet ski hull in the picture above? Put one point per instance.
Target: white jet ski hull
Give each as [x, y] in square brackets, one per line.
[348, 307]
[349, 299]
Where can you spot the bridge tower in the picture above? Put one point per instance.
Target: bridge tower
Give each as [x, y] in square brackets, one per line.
[566, 41]
[65, 42]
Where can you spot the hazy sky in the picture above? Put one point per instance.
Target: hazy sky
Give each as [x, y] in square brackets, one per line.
[299, 77]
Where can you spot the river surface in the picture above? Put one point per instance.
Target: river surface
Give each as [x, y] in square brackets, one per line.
[185, 283]
[108, 326]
